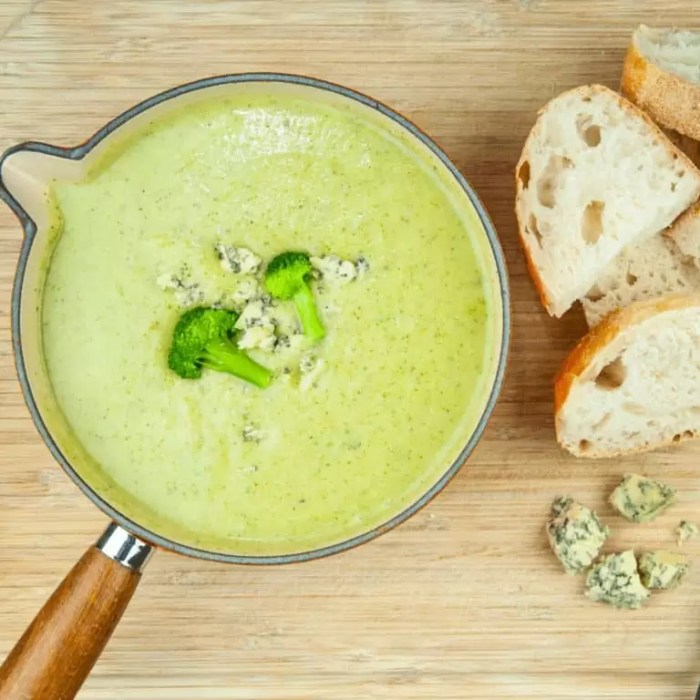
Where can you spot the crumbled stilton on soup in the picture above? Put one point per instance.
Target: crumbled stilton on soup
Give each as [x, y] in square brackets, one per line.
[290, 342]
[361, 265]
[640, 499]
[310, 368]
[240, 261]
[265, 323]
[686, 531]
[252, 433]
[615, 580]
[662, 569]
[575, 534]
[247, 290]
[186, 292]
[257, 326]
[334, 270]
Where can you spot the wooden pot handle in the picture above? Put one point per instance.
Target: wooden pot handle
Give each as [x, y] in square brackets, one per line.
[61, 645]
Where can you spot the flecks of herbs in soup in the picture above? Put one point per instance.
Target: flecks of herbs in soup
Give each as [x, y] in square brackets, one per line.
[352, 428]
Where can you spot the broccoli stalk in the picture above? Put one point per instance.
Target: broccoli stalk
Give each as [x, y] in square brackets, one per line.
[205, 337]
[287, 277]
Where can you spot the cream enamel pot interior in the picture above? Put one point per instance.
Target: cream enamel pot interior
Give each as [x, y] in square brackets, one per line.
[59, 648]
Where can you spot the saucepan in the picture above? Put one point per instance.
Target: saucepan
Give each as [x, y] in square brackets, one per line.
[58, 650]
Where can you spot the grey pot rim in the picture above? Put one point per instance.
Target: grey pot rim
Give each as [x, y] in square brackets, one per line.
[80, 151]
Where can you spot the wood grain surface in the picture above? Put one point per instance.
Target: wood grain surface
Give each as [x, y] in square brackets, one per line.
[55, 655]
[463, 601]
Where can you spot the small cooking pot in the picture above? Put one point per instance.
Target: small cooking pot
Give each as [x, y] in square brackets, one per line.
[58, 650]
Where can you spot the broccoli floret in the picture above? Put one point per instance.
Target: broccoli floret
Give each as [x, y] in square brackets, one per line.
[205, 337]
[287, 277]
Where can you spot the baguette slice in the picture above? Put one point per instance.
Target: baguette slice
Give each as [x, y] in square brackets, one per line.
[651, 269]
[661, 74]
[632, 383]
[596, 175]
[663, 265]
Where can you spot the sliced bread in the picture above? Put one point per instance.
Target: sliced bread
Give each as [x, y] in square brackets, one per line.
[632, 383]
[653, 268]
[596, 175]
[661, 75]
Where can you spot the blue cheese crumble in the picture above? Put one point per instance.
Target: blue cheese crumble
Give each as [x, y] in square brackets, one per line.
[186, 292]
[641, 499]
[333, 270]
[270, 327]
[238, 260]
[291, 343]
[576, 534]
[662, 569]
[252, 433]
[361, 265]
[615, 580]
[686, 531]
[247, 290]
[310, 367]
[263, 323]
[256, 326]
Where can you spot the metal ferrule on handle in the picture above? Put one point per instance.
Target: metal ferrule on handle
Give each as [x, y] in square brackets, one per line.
[121, 546]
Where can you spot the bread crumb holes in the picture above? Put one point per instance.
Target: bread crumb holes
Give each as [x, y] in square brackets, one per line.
[589, 132]
[592, 222]
[548, 183]
[612, 376]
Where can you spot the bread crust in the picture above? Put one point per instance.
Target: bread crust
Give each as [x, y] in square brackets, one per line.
[692, 212]
[667, 98]
[545, 299]
[689, 146]
[584, 91]
[529, 262]
[578, 360]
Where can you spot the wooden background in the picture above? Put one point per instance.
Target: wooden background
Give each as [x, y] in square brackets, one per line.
[464, 601]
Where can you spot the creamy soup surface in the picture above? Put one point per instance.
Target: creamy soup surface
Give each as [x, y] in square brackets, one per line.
[405, 362]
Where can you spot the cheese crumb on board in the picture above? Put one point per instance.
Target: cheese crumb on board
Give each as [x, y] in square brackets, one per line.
[662, 569]
[686, 531]
[615, 580]
[641, 499]
[576, 534]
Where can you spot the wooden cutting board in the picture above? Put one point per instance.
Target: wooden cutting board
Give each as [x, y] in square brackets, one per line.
[464, 601]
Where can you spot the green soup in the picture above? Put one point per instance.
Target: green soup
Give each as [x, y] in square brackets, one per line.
[409, 352]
